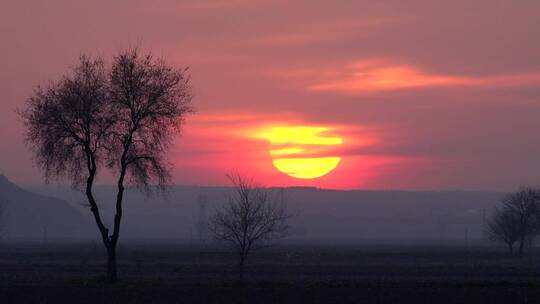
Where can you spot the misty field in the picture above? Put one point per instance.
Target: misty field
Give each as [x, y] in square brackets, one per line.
[39, 272]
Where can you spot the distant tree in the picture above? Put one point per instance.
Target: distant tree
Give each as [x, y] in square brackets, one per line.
[503, 227]
[122, 118]
[252, 218]
[519, 215]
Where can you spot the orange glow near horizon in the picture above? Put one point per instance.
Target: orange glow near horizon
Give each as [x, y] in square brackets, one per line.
[289, 152]
[300, 151]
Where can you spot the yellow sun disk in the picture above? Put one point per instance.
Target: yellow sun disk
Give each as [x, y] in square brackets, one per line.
[306, 167]
[302, 151]
[300, 135]
[286, 151]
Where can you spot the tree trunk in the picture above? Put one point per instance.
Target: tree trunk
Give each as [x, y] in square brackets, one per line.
[241, 268]
[112, 275]
[511, 248]
[109, 245]
[521, 245]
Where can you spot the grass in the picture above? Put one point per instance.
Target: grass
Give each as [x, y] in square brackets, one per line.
[72, 273]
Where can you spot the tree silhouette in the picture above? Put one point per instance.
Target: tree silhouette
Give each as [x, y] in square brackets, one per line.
[251, 219]
[122, 118]
[503, 227]
[524, 206]
[518, 219]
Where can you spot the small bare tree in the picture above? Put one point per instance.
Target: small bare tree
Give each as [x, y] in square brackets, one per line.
[521, 209]
[503, 227]
[252, 218]
[122, 118]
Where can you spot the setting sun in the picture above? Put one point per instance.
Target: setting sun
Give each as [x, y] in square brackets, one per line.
[306, 167]
[302, 151]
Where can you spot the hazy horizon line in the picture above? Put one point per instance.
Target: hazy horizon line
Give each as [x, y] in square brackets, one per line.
[284, 187]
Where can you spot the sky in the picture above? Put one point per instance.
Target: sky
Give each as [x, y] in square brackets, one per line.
[413, 95]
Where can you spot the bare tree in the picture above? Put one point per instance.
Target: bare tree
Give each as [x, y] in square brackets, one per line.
[121, 118]
[151, 100]
[522, 208]
[251, 219]
[503, 227]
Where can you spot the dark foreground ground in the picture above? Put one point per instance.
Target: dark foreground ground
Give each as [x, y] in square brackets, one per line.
[71, 273]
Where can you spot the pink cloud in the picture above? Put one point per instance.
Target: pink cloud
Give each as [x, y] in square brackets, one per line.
[376, 75]
[336, 30]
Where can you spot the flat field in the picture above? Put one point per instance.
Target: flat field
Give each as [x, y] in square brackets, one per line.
[53, 272]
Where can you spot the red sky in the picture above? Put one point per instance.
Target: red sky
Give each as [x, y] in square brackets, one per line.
[425, 94]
